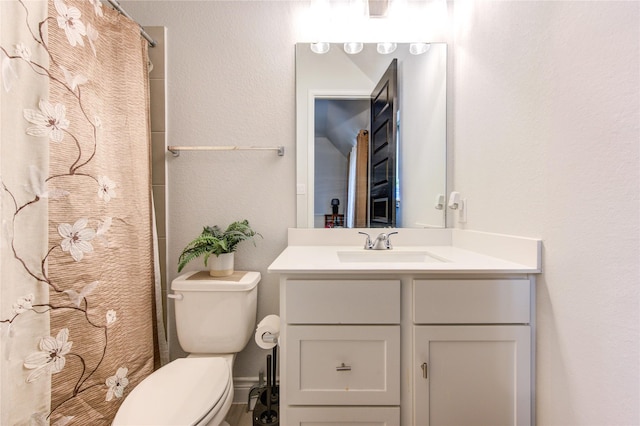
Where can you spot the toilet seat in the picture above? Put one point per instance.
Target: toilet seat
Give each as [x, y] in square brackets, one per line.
[187, 391]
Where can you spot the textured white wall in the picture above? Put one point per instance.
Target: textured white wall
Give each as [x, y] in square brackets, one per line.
[546, 141]
[544, 144]
[230, 68]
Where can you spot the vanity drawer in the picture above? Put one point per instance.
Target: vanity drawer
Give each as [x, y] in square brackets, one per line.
[343, 365]
[488, 301]
[343, 416]
[343, 301]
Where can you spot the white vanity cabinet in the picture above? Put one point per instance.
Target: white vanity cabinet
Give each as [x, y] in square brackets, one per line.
[438, 331]
[340, 352]
[472, 363]
[406, 349]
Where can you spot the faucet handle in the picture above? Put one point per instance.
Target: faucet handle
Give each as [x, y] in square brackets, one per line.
[367, 243]
[388, 242]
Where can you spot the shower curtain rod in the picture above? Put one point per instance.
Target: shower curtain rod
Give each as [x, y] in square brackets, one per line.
[144, 34]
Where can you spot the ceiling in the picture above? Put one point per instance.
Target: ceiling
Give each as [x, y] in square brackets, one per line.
[340, 120]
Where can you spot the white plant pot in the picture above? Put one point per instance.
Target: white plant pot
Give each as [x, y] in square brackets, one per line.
[221, 266]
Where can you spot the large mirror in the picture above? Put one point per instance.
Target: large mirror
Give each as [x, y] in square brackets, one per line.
[371, 136]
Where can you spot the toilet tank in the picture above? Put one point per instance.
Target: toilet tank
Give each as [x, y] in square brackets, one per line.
[215, 315]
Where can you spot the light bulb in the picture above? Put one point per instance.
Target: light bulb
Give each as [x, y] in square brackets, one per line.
[419, 48]
[386, 48]
[353, 47]
[320, 47]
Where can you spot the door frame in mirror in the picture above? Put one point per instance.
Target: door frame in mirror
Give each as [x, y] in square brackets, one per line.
[313, 95]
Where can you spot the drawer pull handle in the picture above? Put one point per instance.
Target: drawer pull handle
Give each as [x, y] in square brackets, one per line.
[425, 370]
[343, 367]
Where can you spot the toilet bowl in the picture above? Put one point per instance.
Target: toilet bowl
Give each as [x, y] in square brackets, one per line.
[215, 318]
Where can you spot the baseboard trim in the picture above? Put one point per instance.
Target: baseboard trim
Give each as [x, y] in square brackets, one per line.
[241, 388]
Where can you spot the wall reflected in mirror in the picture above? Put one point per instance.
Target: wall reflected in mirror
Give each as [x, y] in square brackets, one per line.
[338, 161]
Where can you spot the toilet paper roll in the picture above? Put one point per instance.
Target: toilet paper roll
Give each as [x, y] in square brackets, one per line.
[270, 325]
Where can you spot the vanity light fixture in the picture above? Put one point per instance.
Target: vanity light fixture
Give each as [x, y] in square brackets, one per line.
[386, 48]
[419, 48]
[377, 8]
[320, 47]
[353, 47]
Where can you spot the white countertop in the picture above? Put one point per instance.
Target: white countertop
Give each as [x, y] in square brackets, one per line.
[475, 253]
[324, 259]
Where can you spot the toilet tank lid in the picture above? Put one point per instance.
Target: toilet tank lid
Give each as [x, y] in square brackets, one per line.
[202, 281]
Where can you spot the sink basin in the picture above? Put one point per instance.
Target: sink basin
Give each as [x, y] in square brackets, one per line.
[391, 256]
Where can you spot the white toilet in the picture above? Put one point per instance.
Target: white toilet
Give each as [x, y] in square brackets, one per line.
[215, 318]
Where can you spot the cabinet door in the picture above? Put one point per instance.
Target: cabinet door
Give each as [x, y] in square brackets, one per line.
[472, 375]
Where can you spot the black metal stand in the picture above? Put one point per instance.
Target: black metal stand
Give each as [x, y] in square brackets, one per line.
[266, 411]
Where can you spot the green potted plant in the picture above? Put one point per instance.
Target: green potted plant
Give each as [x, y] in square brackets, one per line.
[222, 244]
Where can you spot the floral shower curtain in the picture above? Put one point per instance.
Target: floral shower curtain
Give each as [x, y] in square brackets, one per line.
[76, 269]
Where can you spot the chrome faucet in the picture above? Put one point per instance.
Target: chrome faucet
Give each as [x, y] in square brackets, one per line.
[382, 241]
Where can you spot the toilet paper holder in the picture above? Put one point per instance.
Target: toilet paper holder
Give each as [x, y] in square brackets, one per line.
[270, 338]
[268, 332]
